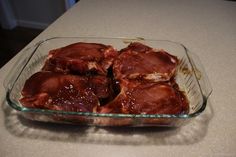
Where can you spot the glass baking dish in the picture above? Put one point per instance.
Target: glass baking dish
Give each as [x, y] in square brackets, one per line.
[190, 77]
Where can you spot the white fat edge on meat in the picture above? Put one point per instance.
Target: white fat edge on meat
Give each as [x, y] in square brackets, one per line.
[157, 77]
[92, 65]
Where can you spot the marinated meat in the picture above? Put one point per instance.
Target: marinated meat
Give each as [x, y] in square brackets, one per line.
[102, 88]
[56, 91]
[139, 61]
[81, 58]
[147, 98]
[90, 77]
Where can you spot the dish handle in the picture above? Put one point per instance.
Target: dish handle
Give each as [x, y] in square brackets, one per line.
[19, 65]
[201, 74]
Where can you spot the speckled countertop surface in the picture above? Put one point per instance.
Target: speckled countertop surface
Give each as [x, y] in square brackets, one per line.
[206, 27]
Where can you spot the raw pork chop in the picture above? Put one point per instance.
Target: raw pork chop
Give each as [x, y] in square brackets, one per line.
[81, 58]
[57, 91]
[139, 61]
[147, 98]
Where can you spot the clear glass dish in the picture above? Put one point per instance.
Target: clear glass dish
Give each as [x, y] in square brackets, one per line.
[190, 77]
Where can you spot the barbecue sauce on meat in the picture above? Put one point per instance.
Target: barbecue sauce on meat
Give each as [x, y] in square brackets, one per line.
[59, 92]
[90, 77]
[146, 83]
[138, 60]
[81, 58]
[148, 98]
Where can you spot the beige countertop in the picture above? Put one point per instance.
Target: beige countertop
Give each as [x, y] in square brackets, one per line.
[207, 28]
